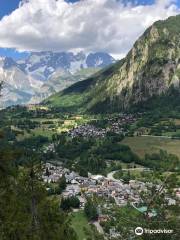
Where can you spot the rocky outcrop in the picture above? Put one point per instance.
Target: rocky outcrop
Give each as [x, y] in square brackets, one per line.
[150, 68]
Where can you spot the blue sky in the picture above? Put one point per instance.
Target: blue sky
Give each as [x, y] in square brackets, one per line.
[8, 6]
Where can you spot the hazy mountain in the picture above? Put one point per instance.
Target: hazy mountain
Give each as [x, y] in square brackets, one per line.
[18, 87]
[41, 74]
[151, 69]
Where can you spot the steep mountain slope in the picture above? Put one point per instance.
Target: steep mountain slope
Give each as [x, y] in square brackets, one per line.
[41, 74]
[151, 68]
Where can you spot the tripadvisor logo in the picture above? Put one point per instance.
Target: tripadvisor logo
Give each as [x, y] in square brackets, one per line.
[140, 231]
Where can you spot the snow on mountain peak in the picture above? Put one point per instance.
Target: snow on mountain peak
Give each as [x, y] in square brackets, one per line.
[33, 75]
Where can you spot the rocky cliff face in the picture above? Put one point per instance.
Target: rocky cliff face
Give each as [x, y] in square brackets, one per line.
[150, 69]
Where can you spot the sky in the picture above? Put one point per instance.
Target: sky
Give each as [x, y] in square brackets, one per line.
[77, 25]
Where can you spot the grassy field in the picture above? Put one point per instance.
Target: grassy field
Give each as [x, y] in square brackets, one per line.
[80, 225]
[143, 145]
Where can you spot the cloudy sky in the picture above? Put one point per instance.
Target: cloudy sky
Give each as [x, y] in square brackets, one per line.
[71, 25]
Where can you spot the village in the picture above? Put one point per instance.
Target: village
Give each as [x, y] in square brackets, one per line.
[113, 192]
[101, 186]
[116, 125]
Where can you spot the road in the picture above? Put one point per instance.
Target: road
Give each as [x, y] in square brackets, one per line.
[110, 175]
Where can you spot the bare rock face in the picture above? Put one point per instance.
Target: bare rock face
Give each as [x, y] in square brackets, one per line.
[151, 68]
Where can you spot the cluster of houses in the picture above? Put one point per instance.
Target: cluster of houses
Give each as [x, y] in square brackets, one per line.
[87, 130]
[52, 173]
[116, 125]
[110, 189]
[121, 120]
[98, 185]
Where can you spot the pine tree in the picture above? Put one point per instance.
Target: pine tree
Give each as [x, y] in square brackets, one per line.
[26, 212]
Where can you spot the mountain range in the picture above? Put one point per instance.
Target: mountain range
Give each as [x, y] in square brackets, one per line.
[41, 74]
[151, 70]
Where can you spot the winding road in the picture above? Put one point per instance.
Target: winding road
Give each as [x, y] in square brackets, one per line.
[110, 175]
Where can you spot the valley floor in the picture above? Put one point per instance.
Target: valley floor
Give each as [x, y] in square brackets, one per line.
[112, 162]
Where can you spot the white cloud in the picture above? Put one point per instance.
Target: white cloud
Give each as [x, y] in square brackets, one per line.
[89, 25]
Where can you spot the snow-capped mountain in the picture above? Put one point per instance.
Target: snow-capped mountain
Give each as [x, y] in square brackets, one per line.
[43, 73]
[42, 65]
